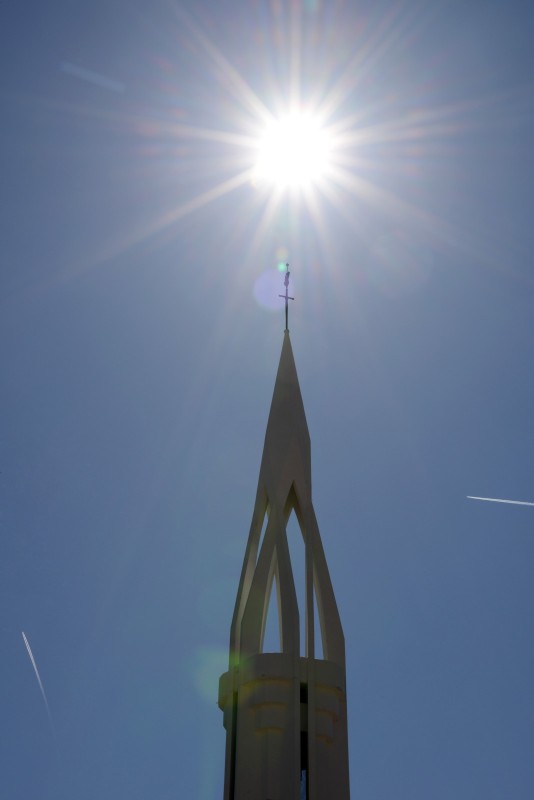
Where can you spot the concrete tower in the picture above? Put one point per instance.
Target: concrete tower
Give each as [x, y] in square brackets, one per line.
[285, 712]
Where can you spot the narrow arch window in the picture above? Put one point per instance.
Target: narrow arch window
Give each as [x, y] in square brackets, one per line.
[263, 529]
[297, 555]
[272, 634]
[318, 631]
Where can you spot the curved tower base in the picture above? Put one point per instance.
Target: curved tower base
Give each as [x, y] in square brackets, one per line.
[291, 728]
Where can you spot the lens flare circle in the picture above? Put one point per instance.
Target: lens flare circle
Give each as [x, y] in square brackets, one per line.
[293, 152]
[267, 290]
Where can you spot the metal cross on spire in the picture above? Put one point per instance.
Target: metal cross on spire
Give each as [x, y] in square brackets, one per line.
[286, 296]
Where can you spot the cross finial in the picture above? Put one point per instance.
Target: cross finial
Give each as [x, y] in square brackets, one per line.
[286, 296]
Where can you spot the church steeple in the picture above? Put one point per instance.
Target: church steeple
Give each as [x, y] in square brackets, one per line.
[285, 712]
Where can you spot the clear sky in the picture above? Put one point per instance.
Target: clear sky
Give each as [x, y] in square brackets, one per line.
[140, 334]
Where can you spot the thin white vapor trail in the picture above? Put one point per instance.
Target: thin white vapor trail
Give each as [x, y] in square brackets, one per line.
[498, 500]
[39, 681]
[91, 77]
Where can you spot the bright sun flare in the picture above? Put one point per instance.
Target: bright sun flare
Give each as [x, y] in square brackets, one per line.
[293, 152]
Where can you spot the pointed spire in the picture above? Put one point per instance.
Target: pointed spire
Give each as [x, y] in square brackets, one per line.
[284, 486]
[287, 428]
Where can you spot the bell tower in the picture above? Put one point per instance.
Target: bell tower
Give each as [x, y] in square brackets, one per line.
[285, 712]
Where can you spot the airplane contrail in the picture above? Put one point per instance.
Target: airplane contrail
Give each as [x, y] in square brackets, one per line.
[498, 500]
[39, 681]
[91, 77]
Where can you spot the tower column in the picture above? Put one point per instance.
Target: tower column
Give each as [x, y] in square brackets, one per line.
[285, 712]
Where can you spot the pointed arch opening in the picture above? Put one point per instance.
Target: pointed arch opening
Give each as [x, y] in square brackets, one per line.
[297, 555]
[271, 635]
[263, 529]
[318, 629]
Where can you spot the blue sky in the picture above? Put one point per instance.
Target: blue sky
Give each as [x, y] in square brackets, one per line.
[138, 366]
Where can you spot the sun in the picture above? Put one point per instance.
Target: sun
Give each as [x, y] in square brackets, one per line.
[307, 147]
[293, 152]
